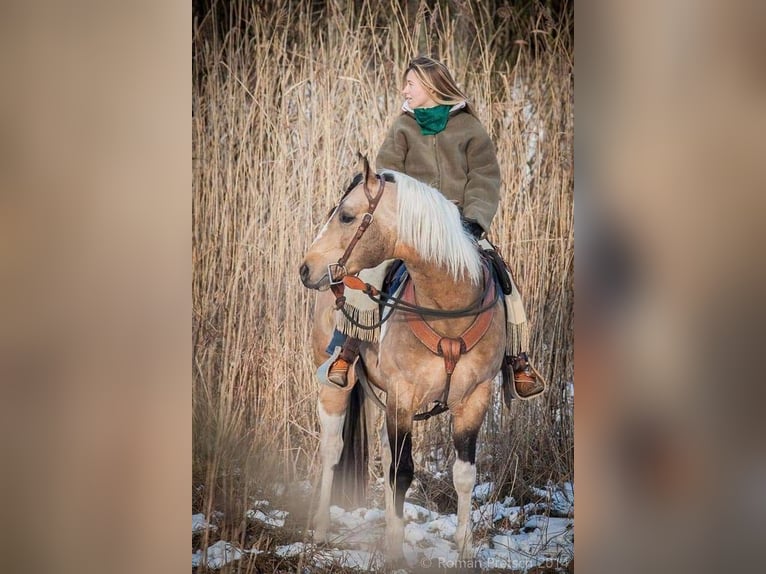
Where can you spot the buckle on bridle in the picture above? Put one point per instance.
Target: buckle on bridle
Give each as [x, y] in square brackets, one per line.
[331, 268]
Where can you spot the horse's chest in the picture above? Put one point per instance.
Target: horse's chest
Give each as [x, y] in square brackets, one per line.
[402, 357]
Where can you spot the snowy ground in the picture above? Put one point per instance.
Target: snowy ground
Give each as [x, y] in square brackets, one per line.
[506, 536]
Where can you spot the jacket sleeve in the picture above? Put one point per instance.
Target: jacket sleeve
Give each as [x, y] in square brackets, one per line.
[482, 192]
[393, 151]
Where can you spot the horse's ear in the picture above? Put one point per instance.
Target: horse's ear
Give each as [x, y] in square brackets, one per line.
[369, 173]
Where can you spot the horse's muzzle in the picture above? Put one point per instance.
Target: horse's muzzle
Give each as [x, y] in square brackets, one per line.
[305, 273]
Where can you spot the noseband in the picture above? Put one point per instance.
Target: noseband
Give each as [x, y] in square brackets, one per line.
[337, 271]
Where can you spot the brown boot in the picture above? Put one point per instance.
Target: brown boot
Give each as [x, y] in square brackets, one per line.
[525, 379]
[338, 373]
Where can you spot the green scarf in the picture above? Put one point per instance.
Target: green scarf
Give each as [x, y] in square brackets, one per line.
[432, 120]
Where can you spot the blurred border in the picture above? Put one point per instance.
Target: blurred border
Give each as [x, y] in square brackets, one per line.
[95, 275]
[670, 116]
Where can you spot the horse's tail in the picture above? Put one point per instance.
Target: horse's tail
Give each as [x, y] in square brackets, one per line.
[350, 477]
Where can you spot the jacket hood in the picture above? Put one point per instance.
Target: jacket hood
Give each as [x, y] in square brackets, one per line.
[458, 106]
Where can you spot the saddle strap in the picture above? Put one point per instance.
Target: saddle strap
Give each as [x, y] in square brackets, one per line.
[451, 348]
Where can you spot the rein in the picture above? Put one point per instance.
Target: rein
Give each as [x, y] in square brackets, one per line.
[403, 304]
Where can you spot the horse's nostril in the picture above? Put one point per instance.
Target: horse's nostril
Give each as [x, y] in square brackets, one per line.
[304, 271]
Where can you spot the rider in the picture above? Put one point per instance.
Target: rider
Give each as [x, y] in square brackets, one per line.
[439, 141]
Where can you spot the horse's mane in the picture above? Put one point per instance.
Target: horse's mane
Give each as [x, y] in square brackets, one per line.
[431, 225]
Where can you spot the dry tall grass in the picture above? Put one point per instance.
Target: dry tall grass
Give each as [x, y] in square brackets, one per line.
[281, 104]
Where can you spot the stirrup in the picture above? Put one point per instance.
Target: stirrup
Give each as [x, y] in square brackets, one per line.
[535, 375]
[324, 370]
[338, 373]
[509, 382]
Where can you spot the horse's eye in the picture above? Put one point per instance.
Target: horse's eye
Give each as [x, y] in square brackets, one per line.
[346, 217]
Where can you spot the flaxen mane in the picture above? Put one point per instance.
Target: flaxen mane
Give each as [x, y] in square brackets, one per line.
[430, 224]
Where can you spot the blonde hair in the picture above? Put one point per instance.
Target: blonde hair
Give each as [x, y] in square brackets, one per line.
[437, 79]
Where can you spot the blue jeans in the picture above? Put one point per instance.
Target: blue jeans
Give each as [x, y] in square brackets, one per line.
[336, 340]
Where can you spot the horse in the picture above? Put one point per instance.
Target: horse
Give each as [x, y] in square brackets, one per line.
[417, 224]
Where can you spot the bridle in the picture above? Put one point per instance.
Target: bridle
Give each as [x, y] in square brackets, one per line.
[337, 271]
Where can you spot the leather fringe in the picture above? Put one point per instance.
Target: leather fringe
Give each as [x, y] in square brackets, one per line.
[518, 326]
[361, 308]
[365, 317]
[517, 339]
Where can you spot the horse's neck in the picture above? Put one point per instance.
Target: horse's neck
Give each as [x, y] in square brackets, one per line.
[437, 288]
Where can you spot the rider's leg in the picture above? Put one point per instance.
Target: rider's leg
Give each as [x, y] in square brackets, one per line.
[527, 381]
[338, 371]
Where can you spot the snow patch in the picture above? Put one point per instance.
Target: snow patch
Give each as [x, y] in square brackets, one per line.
[507, 536]
[560, 498]
[220, 554]
[482, 491]
[274, 518]
[416, 513]
[199, 524]
[291, 549]
[445, 526]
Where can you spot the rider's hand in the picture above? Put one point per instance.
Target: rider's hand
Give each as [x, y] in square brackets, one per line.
[473, 228]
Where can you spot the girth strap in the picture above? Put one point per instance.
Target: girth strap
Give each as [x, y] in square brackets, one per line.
[451, 348]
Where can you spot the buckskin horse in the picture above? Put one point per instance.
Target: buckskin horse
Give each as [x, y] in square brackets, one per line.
[450, 360]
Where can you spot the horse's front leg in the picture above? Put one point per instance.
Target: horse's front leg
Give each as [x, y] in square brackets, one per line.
[331, 409]
[467, 418]
[400, 473]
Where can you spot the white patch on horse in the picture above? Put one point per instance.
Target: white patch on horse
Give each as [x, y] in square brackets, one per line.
[324, 227]
[464, 479]
[331, 444]
[333, 423]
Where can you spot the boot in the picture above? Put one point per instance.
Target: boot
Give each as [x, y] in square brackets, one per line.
[526, 380]
[338, 373]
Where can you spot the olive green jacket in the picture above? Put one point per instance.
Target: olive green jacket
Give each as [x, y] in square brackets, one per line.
[459, 161]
